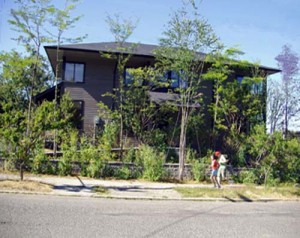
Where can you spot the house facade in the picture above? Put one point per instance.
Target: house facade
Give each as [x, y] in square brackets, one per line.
[87, 74]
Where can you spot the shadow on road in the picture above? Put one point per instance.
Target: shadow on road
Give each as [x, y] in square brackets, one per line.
[244, 198]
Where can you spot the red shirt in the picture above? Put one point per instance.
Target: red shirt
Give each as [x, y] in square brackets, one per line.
[214, 164]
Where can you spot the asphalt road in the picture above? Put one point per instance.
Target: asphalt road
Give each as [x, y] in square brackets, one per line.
[59, 216]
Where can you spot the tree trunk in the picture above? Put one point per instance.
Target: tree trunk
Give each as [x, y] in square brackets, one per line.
[182, 142]
[22, 170]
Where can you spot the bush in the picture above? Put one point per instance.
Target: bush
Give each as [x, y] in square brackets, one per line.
[10, 164]
[153, 163]
[95, 169]
[70, 152]
[249, 177]
[130, 156]
[41, 164]
[198, 169]
[88, 154]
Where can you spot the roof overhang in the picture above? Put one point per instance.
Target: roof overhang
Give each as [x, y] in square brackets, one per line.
[171, 98]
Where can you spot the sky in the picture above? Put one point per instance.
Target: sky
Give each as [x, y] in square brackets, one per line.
[259, 28]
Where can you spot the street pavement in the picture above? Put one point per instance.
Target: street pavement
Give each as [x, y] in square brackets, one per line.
[122, 189]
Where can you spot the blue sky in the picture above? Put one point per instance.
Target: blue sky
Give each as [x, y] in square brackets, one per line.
[258, 27]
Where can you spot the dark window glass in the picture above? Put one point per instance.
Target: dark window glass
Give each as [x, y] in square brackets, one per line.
[74, 72]
[239, 79]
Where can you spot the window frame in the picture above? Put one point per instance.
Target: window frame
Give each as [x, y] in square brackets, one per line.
[74, 71]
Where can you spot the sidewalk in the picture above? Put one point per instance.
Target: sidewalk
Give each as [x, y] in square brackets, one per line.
[118, 189]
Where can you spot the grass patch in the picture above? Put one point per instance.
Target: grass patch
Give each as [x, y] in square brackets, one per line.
[25, 185]
[247, 192]
[100, 190]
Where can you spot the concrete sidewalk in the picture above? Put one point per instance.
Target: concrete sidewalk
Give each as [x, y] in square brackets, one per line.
[122, 189]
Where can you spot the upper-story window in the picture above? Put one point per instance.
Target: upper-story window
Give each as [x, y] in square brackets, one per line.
[174, 80]
[74, 72]
[256, 88]
[239, 79]
[128, 77]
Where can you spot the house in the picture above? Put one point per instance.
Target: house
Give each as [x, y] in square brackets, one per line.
[87, 74]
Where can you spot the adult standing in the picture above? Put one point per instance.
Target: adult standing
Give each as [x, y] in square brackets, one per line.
[222, 162]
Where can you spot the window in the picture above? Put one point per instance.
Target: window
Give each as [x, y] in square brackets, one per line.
[128, 77]
[74, 72]
[256, 87]
[174, 79]
[239, 79]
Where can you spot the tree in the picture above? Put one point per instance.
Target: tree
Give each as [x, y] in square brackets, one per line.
[275, 105]
[30, 19]
[187, 35]
[61, 21]
[288, 63]
[121, 29]
[222, 64]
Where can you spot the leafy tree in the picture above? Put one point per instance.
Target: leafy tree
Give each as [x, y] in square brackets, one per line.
[288, 63]
[222, 65]
[185, 37]
[61, 20]
[30, 19]
[143, 117]
[274, 158]
[16, 89]
[121, 29]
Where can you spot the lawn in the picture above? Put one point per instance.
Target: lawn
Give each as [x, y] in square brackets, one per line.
[247, 192]
[31, 186]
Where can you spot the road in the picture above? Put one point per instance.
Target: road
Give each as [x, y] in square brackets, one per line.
[59, 216]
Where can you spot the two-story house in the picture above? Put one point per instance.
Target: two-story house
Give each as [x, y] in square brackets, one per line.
[86, 74]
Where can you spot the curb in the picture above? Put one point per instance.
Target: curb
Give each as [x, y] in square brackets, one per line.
[93, 195]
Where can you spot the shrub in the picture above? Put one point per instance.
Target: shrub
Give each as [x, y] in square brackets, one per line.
[249, 177]
[95, 168]
[87, 154]
[70, 152]
[198, 169]
[153, 163]
[130, 156]
[124, 173]
[41, 164]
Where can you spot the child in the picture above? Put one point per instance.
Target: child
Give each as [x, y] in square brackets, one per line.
[214, 171]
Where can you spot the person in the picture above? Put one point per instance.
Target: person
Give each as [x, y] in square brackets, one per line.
[222, 162]
[214, 171]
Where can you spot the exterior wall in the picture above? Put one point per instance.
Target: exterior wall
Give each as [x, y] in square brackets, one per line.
[99, 77]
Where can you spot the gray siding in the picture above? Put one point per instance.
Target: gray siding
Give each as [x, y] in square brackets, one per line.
[98, 79]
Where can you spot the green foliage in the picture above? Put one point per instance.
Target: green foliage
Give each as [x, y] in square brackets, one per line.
[153, 163]
[125, 172]
[88, 154]
[108, 139]
[277, 159]
[249, 176]
[130, 156]
[41, 164]
[199, 169]
[69, 148]
[186, 35]
[96, 167]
